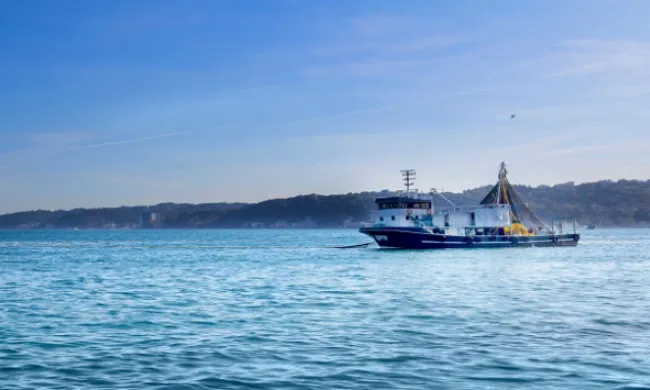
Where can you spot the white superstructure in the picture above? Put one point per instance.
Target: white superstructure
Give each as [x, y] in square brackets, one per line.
[412, 209]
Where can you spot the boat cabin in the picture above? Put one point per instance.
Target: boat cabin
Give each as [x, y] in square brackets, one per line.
[401, 211]
[413, 212]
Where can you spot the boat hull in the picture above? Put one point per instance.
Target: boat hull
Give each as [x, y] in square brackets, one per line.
[419, 238]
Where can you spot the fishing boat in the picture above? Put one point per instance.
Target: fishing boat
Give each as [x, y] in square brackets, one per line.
[409, 220]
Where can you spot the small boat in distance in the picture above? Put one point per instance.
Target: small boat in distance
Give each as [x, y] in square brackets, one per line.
[500, 220]
[591, 226]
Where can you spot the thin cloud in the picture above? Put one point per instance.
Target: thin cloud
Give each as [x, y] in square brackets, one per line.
[389, 47]
[631, 91]
[629, 147]
[53, 140]
[540, 145]
[393, 105]
[129, 23]
[434, 42]
[586, 57]
[373, 67]
[377, 24]
[577, 150]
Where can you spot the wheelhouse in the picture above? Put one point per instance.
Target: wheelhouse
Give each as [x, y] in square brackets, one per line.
[402, 203]
[402, 211]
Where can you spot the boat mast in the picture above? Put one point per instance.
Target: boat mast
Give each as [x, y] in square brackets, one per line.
[502, 177]
[408, 175]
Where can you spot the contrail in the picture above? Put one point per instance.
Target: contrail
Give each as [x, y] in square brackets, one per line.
[131, 141]
[148, 138]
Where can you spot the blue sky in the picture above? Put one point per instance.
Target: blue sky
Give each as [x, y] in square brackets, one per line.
[108, 103]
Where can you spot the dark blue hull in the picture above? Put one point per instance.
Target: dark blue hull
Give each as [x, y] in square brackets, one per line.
[420, 238]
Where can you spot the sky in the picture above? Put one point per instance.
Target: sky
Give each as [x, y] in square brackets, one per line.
[109, 103]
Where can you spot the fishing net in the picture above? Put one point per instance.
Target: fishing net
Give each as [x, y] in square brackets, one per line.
[504, 193]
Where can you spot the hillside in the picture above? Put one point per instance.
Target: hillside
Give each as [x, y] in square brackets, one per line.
[607, 203]
[175, 215]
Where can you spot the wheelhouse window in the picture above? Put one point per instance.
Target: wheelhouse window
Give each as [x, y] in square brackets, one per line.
[401, 205]
[386, 206]
[419, 205]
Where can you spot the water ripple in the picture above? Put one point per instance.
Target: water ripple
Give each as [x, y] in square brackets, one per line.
[277, 310]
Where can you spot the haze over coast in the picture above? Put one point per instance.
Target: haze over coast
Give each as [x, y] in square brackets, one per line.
[607, 203]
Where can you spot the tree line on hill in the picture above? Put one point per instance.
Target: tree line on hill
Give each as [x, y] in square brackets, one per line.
[606, 203]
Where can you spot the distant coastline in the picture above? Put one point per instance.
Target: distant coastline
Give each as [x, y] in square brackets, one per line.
[623, 203]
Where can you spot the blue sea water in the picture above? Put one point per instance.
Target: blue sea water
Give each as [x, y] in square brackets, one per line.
[275, 309]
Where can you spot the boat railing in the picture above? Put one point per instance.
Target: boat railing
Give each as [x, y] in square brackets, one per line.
[558, 224]
[467, 209]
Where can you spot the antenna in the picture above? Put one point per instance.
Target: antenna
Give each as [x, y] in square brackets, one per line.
[408, 175]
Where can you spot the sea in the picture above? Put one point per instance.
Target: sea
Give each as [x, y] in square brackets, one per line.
[283, 309]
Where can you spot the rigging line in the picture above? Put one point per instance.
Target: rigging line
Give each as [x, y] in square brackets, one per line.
[204, 247]
[526, 210]
[530, 213]
[434, 191]
[445, 198]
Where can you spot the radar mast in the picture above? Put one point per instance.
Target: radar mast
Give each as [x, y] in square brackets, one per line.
[408, 175]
